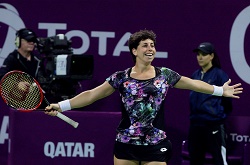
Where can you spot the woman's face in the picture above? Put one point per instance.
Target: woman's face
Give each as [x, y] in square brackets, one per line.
[145, 51]
[204, 60]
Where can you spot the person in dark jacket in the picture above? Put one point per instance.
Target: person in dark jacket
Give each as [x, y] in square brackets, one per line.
[208, 112]
[22, 58]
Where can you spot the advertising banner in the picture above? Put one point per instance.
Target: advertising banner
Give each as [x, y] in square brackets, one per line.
[101, 29]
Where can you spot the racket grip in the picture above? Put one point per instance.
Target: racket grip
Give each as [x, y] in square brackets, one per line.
[68, 120]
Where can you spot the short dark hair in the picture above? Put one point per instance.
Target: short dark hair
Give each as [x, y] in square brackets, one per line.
[139, 36]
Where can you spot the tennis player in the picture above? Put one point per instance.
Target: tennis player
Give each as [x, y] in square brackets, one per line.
[141, 137]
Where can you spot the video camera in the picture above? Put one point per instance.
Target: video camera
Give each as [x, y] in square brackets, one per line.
[62, 70]
[54, 45]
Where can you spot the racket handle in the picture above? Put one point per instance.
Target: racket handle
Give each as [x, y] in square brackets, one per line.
[68, 120]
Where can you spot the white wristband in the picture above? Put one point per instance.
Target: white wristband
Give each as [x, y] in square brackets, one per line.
[65, 105]
[218, 91]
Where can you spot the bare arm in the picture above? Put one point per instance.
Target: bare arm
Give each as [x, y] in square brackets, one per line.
[85, 98]
[203, 87]
[88, 97]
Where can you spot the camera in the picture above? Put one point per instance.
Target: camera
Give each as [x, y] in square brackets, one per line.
[54, 45]
[61, 71]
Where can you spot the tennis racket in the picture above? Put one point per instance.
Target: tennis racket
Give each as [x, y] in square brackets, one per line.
[22, 92]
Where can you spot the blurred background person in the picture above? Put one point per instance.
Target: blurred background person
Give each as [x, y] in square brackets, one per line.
[22, 58]
[208, 112]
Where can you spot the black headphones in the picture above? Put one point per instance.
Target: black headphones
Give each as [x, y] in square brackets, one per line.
[18, 39]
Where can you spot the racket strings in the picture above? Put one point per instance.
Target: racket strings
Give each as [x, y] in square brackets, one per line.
[21, 91]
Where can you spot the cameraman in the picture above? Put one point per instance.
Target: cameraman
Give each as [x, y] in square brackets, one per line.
[22, 58]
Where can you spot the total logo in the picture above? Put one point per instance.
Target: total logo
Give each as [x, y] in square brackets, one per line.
[239, 138]
[10, 16]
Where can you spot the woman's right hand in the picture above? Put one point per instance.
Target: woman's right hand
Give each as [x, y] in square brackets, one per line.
[52, 109]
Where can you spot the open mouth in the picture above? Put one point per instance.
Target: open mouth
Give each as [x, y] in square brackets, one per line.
[149, 54]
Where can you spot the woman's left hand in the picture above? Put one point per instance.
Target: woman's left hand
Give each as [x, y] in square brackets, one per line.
[232, 91]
